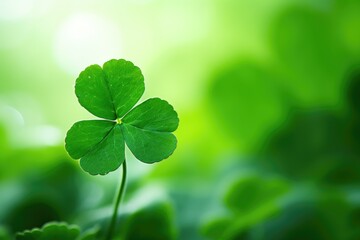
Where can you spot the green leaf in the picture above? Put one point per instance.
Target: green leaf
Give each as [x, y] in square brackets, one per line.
[247, 101]
[251, 200]
[107, 156]
[216, 228]
[311, 145]
[149, 146]
[112, 91]
[99, 144]
[126, 84]
[51, 231]
[310, 51]
[4, 234]
[84, 135]
[147, 130]
[93, 93]
[90, 234]
[319, 215]
[252, 192]
[154, 114]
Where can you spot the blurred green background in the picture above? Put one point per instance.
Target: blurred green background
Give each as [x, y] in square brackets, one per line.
[268, 95]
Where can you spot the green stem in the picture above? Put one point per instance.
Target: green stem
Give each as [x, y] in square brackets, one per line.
[117, 203]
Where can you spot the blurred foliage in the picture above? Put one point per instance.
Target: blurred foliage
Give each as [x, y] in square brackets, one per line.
[309, 146]
[324, 218]
[54, 231]
[251, 192]
[54, 191]
[4, 235]
[250, 200]
[154, 222]
[310, 54]
[51, 231]
[44, 197]
[246, 100]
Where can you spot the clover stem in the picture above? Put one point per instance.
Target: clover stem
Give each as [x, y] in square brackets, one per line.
[117, 203]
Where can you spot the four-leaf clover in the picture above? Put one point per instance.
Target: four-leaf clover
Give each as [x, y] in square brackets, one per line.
[110, 93]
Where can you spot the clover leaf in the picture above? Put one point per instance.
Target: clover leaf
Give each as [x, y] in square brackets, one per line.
[110, 93]
[50, 230]
[57, 230]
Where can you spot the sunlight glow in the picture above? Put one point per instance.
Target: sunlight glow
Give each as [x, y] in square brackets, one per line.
[84, 39]
[11, 10]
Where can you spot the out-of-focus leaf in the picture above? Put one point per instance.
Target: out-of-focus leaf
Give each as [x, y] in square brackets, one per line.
[42, 196]
[353, 90]
[309, 52]
[215, 229]
[91, 234]
[326, 218]
[51, 231]
[251, 200]
[355, 222]
[4, 235]
[3, 139]
[348, 20]
[31, 212]
[58, 231]
[241, 225]
[309, 145]
[246, 101]
[154, 222]
[352, 134]
[251, 192]
[318, 145]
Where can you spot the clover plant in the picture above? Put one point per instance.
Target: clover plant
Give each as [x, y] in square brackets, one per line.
[111, 93]
[57, 230]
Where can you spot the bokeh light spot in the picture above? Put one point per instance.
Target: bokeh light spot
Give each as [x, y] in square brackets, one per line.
[84, 39]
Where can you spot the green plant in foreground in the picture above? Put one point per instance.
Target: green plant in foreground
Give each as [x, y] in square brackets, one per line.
[110, 93]
[56, 230]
